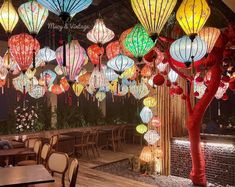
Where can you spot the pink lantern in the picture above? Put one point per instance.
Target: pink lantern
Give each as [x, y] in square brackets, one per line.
[155, 122]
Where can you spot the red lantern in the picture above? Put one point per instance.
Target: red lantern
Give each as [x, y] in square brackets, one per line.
[168, 83]
[95, 53]
[113, 49]
[23, 48]
[232, 84]
[56, 89]
[158, 80]
[2, 83]
[225, 97]
[146, 71]
[178, 90]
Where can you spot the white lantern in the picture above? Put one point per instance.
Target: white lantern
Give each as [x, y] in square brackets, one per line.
[146, 114]
[173, 76]
[37, 91]
[151, 137]
[46, 54]
[162, 67]
[139, 91]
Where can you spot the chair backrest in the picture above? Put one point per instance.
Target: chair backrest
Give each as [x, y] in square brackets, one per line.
[46, 148]
[29, 142]
[115, 132]
[85, 137]
[54, 141]
[73, 172]
[123, 131]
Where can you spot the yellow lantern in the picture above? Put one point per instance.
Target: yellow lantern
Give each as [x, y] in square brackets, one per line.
[142, 128]
[150, 102]
[77, 88]
[8, 16]
[153, 14]
[192, 15]
[146, 154]
[128, 73]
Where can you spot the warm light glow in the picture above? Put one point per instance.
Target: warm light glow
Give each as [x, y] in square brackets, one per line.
[98, 79]
[173, 76]
[77, 88]
[110, 74]
[146, 154]
[8, 16]
[146, 114]
[150, 102]
[141, 128]
[139, 91]
[46, 54]
[113, 49]
[37, 92]
[100, 96]
[151, 137]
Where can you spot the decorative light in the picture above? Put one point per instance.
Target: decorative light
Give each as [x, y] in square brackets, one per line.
[22, 48]
[75, 58]
[9, 61]
[150, 102]
[58, 70]
[37, 92]
[192, 15]
[122, 39]
[186, 51]
[210, 36]
[30, 73]
[8, 16]
[3, 71]
[110, 74]
[49, 77]
[155, 122]
[77, 88]
[84, 79]
[173, 76]
[22, 83]
[138, 42]
[98, 79]
[65, 9]
[151, 137]
[113, 49]
[2, 82]
[139, 91]
[153, 14]
[33, 15]
[200, 88]
[100, 96]
[120, 63]
[162, 67]
[130, 72]
[100, 34]
[221, 90]
[46, 54]
[146, 114]
[64, 84]
[146, 71]
[119, 90]
[56, 89]
[146, 154]
[95, 54]
[141, 128]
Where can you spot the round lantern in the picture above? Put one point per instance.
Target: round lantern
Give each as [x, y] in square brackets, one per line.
[146, 71]
[139, 91]
[186, 51]
[173, 76]
[113, 49]
[98, 79]
[221, 90]
[58, 70]
[23, 55]
[141, 128]
[162, 67]
[153, 14]
[9, 61]
[37, 91]
[100, 34]
[155, 122]
[151, 137]
[138, 42]
[192, 15]
[22, 83]
[64, 84]
[158, 79]
[77, 88]
[146, 154]
[3, 72]
[75, 58]
[49, 77]
[56, 89]
[151, 83]
[110, 74]
[84, 79]
[95, 54]
[150, 102]
[146, 114]
[122, 39]
[46, 54]
[130, 72]
[2, 83]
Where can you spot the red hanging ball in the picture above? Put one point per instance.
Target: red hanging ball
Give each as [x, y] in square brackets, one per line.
[183, 97]
[172, 91]
[226, 78]
[178, 90]
[196, 94]
[199, 79]
[225, 97]
[158, 80]
[168, 83]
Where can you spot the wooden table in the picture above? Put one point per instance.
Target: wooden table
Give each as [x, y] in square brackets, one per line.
[24, 175]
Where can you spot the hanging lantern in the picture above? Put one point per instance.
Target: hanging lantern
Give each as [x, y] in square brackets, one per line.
[113, 49]
[146, 154]
[122, 39]
[153, 14]
[158, 80]
[141, 128]
[138, 42]
[192, 15]
[8, 16]
[162, 67]
[9, 61]
[100, 34]
[173, 76]
[22, 83]
[46, 54]
[98, 79]
[58, 70]
[110, 74]
[186, 51]
[130, 72]
[64, 84]
[151, 83]
[65, 9]
[77, 88]
[56, 89]
[120, 63]
[146, 114]
[155, 122]
[3, 72]
[22, 54]
[128, 82]
[139, 91]
[100, 96]
[210, 36]
[151, 137]
[146, 71]
[37, 92]
[153, 57]
[221, 90]
[49, 77]
[75, 58]
[95, 54]
[199, 88]
[30, 73]
[84, 79]
[150, 102]
[2, 82]
[33, 15]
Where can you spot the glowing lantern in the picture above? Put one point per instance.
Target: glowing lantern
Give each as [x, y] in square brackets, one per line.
[98, 79]
[22, 83]
[186, 51]
[153, 14]
[9, 61]
[56, 89]
[75, 58]
[8, 16]
[95, 54]
[192, 15]
[37, 92]
[138, 42]
[200, 88]
[120, 63]
[113, 49]
[151, 83]
[150, 102]
[46, 54]
[65, 9]
[155, 122]
[146, 154]
[22, 48]
[77, 88]
[146, 71]
[139, 91]
[122, 39]
[151, 137]
[158, 80]
[58, 70]
[210, 36]
[33, 15]
[128, 82]
[162, 67]
[173, 76]
[3, 72]
[64, 84]
[30, 73]
[100, 34]
[119, 90]
[221, 90]
[130, 72]
[100, 96]
[146, 114]
[141, 128]
[110, 74]
[49, 77]
[2, 83]
[84, 79]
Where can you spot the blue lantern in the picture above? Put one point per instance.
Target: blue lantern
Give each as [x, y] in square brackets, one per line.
[110, 74]
[187, 51]
[146, 114]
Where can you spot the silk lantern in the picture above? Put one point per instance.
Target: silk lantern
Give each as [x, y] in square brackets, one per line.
[75, 58]
[113, 49]
[56, 89]
[84, 79]
[8, 16]
[37, 91]
[110, 74]
[49, 77]
[122, 39]
[146, 154]
[98, 79]
[153, 14]
[150, 102]
[146, 71]
[173, 76]
[158, 79]
[77, 88]
[141, 128]
[155, 122]
[23, 47]
[9, 61]
[46, 54]
[33, 15]
[100, 34]
[95, 54]
[139, 91]
[100, 96]
[162, 67]
[192, 15]
[146, 114]
[22, 83]
[151, 137]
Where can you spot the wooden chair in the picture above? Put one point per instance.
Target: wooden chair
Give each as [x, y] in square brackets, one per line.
[54, 140]
[46, 149]
[83, 144]
[121, 138]
[93, 142]
[114, 138]
[37, 149]
[29, 142]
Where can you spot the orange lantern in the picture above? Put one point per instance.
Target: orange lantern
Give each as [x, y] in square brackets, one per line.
[64, 83]
[122, 42]
[95, 54]
[84, 79]
[113, 49]
[146, 71]
[2, 82]
[56, 89]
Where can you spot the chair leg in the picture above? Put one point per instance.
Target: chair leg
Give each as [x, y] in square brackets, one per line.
[93, 150]
[114, 146]
[97, 150]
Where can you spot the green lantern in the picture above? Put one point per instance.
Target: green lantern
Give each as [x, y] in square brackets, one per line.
[138, 42]
[141, 128]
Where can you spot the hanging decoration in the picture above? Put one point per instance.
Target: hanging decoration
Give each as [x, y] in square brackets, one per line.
[110, 74]
[22, 83]
[9, 61]
[139, 91]
[146, 71]
[46, 54]
[64, 84]
[146, 154]
[84, 79]
[162, 67]
[173, 76]
[146, 115]
[155, 122]
[150, 102]
[37, 91]
[113, 49]
[122, 39]
[98, 79]
[77, 88]
[95, 54]
[129, 72]
[3, 72]
[30, 73]
[56, 89]
[49, 76]
[151, 137]
[58, 70]
[141, 128]
[100, 96]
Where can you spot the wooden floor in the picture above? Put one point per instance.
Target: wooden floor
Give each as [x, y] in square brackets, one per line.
[89, 177]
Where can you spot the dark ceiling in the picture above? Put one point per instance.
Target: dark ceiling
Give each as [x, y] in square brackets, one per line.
[118, 16]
